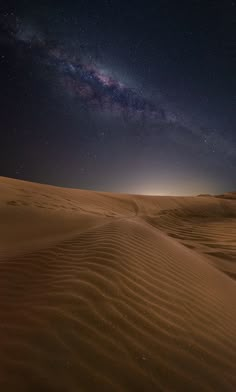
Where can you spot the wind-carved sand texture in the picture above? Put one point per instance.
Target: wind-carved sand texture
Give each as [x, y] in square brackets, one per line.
[109, 292]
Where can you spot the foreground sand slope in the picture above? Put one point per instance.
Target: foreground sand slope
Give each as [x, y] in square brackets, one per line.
[111, 292]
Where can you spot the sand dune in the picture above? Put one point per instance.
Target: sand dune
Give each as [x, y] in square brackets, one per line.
[109, 292]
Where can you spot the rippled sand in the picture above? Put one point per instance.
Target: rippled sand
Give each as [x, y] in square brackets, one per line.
[109, 292]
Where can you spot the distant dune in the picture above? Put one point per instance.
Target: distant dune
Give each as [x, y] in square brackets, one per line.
[204, 195]
[112, 292]
[229, 195]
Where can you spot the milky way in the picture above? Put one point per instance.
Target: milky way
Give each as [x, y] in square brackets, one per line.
[116, 94]
[85, 82]
[89, 84]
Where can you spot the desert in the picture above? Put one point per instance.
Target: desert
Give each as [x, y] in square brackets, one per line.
[116, 292]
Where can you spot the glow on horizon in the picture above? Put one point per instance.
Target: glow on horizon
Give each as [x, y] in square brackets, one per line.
[172, 189]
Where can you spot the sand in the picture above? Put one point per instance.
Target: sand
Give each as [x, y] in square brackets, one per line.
[112, 292]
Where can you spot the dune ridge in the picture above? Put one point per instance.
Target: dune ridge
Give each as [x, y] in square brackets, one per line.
[102, 291]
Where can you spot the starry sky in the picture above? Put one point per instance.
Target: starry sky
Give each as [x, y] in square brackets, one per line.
[122, 96]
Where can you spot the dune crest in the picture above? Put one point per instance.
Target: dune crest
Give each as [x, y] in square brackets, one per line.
[101, 291]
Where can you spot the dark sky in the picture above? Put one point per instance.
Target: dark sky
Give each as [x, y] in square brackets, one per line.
[126, 96]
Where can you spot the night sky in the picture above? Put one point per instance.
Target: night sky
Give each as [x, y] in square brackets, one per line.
[123, 96]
